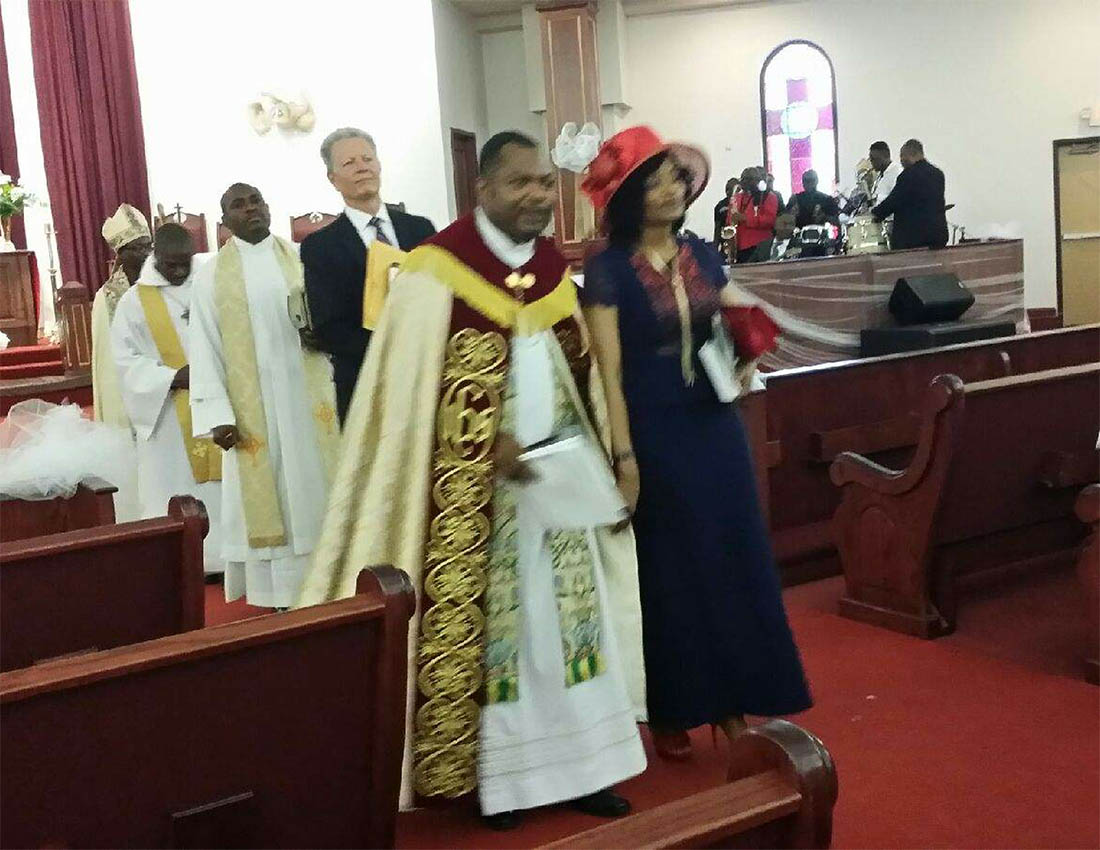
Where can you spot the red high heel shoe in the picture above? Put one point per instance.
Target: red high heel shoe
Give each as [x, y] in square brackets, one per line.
[671, 746]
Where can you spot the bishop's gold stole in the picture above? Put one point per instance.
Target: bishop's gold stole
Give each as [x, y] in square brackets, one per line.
[205, 458]
[263, 516]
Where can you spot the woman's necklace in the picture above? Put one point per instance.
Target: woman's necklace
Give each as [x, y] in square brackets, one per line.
[683, 308]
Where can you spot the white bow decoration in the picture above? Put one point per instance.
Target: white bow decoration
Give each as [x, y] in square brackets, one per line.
[575, 149]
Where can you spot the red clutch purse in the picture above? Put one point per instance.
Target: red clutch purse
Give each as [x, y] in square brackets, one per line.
[752, 330]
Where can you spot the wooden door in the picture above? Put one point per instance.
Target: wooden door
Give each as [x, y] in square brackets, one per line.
[464, 163]
[1077, 228]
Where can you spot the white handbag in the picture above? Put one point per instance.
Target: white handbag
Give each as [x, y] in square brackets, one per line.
[720, 362]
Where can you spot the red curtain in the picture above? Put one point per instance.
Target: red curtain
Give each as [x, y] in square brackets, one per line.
[92, 140]
[9, 151]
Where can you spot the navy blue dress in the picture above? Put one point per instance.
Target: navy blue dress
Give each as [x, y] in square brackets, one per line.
[716, 637]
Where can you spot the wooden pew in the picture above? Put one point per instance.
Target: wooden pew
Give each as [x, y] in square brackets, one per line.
[279, 731]
[92, 504]
[1088, 573]
[780, 792]
[868, 406]
[102, 587]
[991, 486]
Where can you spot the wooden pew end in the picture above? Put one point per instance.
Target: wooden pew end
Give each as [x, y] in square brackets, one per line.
[804, 762]
[781, 791]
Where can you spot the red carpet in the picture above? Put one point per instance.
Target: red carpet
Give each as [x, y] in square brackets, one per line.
[30, 361]
[972, 741]
[15, 355]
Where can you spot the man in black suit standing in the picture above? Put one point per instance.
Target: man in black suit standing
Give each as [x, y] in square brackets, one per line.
[917, 202]
[335, 257]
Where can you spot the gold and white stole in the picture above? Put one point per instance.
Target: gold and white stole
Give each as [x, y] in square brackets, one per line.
[262, 513]
[205, 458]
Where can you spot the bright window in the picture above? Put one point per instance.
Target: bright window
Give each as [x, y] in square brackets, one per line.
[798, 116]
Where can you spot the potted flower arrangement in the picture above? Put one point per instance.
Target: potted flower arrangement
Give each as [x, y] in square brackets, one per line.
[13, 200]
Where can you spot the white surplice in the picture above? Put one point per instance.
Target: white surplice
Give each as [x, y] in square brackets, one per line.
[268, 577]
[554, 743]
[107, 404]
[145, 385]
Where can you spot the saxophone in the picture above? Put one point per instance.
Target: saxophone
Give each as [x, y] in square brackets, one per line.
[729, 235]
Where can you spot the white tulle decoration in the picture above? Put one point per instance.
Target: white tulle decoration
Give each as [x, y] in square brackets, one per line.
[46, 450]
[574, 148]
[4, 340]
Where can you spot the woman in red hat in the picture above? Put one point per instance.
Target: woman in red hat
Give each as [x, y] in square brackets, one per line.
[717, 642]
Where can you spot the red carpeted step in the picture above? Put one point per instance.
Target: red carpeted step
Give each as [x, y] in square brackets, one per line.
[23, 371]
[30, 354]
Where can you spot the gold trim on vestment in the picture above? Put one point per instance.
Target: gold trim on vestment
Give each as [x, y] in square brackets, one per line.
[381, 258]
[491, 301]
[452, 630]
[204, 457]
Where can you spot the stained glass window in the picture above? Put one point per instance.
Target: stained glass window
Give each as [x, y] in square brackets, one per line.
[798, 116]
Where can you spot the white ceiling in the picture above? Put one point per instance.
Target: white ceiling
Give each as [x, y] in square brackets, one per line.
[481, 8]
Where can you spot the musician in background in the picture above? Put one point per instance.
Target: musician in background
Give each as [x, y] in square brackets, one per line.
[917, 202]
[770, 180]
[884, 174]
[754, 212]
[813, 207]
[722, 211]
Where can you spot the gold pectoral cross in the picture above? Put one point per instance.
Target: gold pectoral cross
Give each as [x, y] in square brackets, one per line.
[519, 285]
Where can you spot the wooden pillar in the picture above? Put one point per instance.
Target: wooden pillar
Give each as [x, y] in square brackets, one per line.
[570, 71]
[75, 315]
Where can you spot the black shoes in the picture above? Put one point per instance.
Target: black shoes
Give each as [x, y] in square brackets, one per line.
[502, 821]
[602, 804]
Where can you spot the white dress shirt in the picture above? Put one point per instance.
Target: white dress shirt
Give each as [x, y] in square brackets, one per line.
[885, 184]
[367, 231]
[500, 243]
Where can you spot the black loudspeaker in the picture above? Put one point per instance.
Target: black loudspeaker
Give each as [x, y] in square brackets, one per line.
[929, 298]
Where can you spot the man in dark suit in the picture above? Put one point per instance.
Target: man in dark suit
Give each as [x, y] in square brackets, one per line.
[917, 202]
[335, 257]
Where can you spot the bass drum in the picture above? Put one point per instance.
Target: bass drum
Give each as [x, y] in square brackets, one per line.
[866, 236]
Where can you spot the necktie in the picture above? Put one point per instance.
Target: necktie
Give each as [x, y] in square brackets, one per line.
[379, 233]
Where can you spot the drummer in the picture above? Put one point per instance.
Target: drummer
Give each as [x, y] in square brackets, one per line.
[811, 207]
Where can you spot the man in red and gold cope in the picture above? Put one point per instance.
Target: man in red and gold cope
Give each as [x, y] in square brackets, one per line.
[525, 662]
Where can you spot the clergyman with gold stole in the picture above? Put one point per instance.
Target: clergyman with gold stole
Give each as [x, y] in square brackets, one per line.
[267, 401]
[149, 340]
[525, 656]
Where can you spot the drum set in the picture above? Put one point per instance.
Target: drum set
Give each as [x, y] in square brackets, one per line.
[859, 234]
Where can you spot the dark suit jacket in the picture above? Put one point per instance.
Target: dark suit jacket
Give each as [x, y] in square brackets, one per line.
[335, 261]
[917, 204]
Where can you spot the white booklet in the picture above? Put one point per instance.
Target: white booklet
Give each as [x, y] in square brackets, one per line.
[573, 488]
